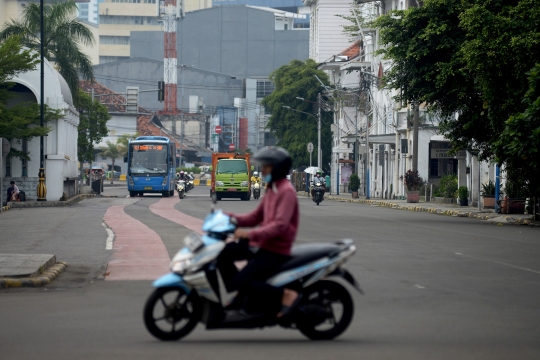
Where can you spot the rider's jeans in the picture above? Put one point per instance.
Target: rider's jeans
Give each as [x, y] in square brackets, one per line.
[251, 280]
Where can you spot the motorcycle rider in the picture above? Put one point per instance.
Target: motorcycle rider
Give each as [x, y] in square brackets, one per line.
[318, 178]
[255, 178]
[269, 245]
[182, 176]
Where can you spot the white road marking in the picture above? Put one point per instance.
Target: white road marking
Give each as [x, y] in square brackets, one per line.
[501, 263]
[419, 286]
[110, 238]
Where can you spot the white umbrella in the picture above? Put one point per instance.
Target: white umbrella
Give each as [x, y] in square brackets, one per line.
[312, 170]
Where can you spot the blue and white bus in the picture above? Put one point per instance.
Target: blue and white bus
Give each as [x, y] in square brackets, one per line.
[151, 166]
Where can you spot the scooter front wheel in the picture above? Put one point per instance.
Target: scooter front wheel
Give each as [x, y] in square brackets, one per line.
[170, 313]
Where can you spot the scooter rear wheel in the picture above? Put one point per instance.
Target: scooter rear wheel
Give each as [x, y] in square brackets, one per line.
[170, 313]
[336, 300]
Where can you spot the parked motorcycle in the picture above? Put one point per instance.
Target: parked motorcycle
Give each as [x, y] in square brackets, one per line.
[318, 192]
[256, 190]
[181, 188]
[194, 291]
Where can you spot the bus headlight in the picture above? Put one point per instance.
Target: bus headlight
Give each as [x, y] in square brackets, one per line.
[164, 181]
[130, 179]
[244, 184]
[219, 183]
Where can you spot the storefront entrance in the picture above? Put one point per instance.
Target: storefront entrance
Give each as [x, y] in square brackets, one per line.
[440, 162]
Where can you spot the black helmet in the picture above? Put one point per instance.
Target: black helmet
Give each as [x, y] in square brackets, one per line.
[278, 157]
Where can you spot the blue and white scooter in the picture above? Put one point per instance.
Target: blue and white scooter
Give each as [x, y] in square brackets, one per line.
[194, 292]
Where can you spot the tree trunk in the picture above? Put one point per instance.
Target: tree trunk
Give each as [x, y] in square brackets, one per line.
[112, 174]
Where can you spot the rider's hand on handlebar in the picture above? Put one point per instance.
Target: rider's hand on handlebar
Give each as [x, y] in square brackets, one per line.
[241, 234]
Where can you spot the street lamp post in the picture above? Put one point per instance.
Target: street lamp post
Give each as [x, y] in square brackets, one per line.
[319, 102]
[42, 188]
[319, 152]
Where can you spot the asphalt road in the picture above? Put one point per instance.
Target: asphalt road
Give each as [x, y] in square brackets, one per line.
[436, 287]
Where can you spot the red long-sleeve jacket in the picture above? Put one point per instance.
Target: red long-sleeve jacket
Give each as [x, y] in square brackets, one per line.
[277, 216]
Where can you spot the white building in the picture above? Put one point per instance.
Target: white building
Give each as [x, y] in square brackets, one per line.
[389, 123]
[60, 142]
[326, 36]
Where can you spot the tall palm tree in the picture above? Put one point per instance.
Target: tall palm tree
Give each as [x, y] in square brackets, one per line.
[64, 35]
[113, 151]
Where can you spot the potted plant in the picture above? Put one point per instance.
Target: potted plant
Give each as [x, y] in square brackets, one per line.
[516, 194]
[354, 184]
[463, 195]
[488, 193]
[412, 181]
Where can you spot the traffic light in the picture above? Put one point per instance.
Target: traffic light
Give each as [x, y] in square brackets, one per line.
[161, 91]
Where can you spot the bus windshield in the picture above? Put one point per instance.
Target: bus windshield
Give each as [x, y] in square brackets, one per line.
[148, 158]
[231, 166]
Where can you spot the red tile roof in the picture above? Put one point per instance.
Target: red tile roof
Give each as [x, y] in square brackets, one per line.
[352, 51]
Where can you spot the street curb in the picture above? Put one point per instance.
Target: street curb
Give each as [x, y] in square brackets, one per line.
[458, 213]
[68, 202]
[45, 278]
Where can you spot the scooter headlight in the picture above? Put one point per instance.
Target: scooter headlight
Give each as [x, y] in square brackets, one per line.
[181, 262]
[244, 183]
[256, 185]
[219, 183]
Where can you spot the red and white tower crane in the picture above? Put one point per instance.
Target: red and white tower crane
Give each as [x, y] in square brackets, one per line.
[170, 12]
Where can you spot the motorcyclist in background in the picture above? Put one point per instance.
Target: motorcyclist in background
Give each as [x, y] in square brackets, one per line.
[318, 178]
[255, 178]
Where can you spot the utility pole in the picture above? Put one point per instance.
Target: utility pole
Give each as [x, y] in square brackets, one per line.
[319, 152]
[415, 136]
[42, 187]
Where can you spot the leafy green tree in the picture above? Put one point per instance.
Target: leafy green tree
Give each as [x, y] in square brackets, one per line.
[295, 130]
[112, 151]
[518, 146]
[19, 120]
[424, 45]
[64, 34]
[93, 117]
[502, 44]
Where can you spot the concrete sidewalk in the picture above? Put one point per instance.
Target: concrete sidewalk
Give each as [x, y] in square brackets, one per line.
[488, 215]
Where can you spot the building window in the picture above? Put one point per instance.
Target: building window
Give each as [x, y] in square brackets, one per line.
[264, 88]
[24, 161]
[114, 40]
[128, 20]
[106, 59]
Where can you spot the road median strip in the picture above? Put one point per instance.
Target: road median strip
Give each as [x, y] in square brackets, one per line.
[45, 278]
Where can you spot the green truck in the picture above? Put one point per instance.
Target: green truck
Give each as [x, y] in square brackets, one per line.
[231, 176]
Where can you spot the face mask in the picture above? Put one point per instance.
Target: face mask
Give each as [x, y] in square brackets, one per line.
[268, 178]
